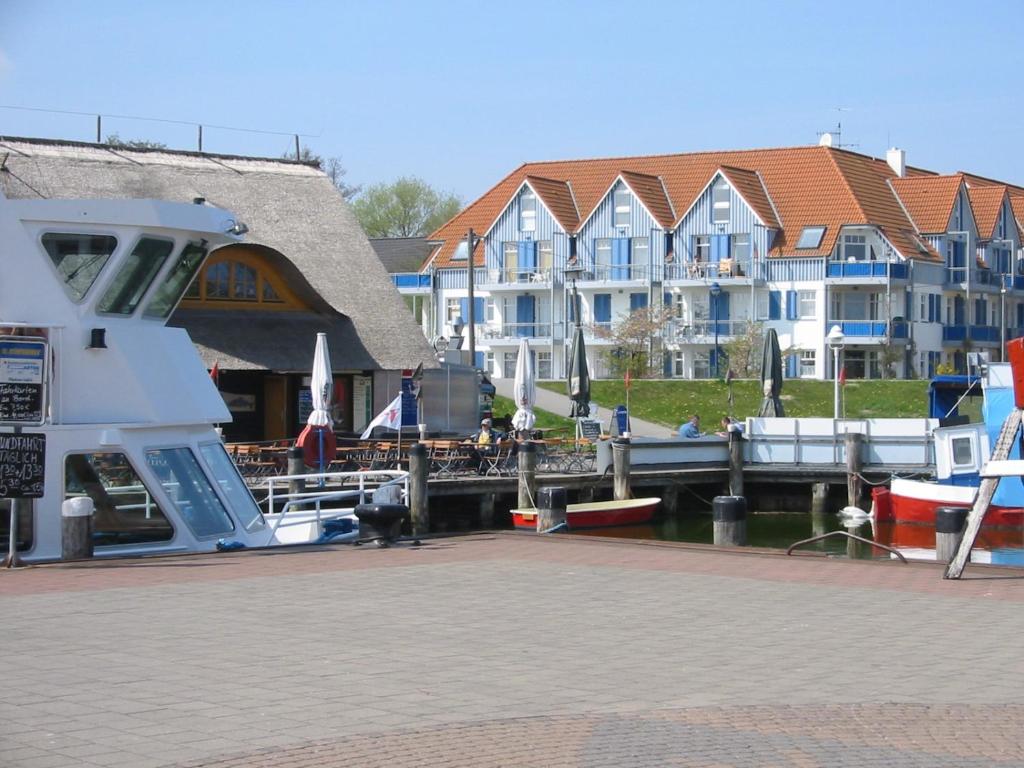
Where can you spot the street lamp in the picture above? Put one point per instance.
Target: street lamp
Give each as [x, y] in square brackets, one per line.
[716, 291]
[1006, 271]
[836, 340]
[572, 273]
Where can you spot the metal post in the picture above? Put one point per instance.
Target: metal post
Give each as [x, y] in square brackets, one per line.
[735, 460]
[620, 467]
[99, 129]
[298, 151]
[1002, 319]
[471, 309]
[715, 296]
[729, 521]
[835, 386]
[200, 138]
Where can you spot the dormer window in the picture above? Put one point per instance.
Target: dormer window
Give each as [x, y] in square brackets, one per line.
[720, 201]
[622, 203]
[810, 237]
[527, 211]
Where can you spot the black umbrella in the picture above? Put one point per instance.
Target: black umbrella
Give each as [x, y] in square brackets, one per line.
[771, 376]
[579, 377]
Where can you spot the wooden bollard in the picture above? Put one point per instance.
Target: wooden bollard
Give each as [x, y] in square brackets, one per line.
[620, 467]
[419, 505]
[819, 498]
[729, 516]
[76, 526]
[735, 460]
[853, 442]
[949, 531]
[296, 466]
[527, 463]
[551, 503]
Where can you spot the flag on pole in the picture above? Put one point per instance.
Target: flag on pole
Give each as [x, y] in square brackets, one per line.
[390, 417]
[842, 376]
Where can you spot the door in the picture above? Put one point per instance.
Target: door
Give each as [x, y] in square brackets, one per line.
[275, 408]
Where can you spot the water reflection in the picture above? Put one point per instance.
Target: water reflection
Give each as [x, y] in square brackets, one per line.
[778, 530]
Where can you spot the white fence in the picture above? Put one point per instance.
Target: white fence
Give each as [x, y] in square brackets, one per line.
[887, 442]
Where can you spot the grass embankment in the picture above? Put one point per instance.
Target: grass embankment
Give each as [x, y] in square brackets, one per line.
[545, 419]
[672, 402]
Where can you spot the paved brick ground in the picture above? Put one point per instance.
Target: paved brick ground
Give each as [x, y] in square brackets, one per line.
[509, 650]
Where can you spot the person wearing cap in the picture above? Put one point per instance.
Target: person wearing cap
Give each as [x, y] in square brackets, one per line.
[485, 442]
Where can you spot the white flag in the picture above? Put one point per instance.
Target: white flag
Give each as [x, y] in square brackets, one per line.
[390, 417]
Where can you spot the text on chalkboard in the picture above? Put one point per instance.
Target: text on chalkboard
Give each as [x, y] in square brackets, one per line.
[22, 463]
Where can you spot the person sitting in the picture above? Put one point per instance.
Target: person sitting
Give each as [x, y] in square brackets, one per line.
[691, 428]
[485, 443]
[729, 424]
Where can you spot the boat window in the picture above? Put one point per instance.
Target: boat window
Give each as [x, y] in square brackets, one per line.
[232, 486]
[177, 281]
[962, 453]
[79, 259]
[186, 485]
[135, 276]
[125, 511]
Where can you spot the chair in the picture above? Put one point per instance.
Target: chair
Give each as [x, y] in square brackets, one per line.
[725, 267]
[496, 462]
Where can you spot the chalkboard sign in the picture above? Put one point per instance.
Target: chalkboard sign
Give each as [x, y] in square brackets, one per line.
[590, 428]
[22, 380]
[22, 459]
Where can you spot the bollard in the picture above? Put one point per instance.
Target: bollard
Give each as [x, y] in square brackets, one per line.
[296, 466]
[735, 460]
[527, 462]
[949, 531]
[620, 467]
[853, 442]
[550, 508]
[76, 523]
[419, 504]
[729, 514]
[819, 498]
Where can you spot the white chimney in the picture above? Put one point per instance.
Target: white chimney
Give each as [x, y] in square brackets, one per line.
[825, 140]
[897, 160]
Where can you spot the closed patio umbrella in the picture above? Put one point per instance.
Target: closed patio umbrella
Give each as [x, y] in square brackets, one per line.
[579, 377]
[524, 389]
[322, 389]
[771, 376]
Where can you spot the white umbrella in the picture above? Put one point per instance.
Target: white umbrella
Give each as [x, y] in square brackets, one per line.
[321, 385]
[524, 389]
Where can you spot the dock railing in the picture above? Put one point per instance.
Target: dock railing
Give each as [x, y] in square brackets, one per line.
[887, 442]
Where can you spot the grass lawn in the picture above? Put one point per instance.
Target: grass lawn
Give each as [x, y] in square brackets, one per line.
[545, 419]
[672, 402]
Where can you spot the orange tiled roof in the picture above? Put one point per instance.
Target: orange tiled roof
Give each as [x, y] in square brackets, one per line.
[557, 196]
[811, 185]
[929, 199]
[653, 195]
[987, 203]
[751, 187]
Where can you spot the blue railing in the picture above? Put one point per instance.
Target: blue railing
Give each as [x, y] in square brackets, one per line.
[870, 329]
[977, 333]
[848, 269]
[410, 280]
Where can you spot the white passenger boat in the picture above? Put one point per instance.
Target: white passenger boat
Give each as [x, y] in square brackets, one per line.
[124, 402]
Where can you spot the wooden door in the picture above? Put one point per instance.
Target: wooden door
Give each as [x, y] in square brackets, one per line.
[275, 408]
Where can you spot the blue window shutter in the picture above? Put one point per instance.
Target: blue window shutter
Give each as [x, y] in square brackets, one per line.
[620, 258]
[464, 309]
[666, 365]
[637, 301]
[774, 305]
[791, 306]
[478, 309]
[479, 361]
[791, 366]
[602, 308]
[723, 306]
[527, 256]
[716, 248]
[1020, 315]
[524, 315]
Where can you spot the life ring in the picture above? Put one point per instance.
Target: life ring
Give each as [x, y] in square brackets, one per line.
[310, 440]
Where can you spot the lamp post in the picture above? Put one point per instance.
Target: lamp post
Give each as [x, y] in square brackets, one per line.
[471, 242]
[835, 339]
[716, 291]
[1005, 271]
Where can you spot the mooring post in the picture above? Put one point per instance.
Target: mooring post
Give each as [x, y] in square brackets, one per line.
[419, 506]
[670, 499]
[296, 466]
[551, 503]
[729, 517]
[76, 526]
[949, 531]
[819, 498]
[735, 460]
[526, 459]
[853, 442]
[620, 466]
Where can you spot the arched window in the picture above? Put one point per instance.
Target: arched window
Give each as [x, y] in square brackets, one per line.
[232, 281]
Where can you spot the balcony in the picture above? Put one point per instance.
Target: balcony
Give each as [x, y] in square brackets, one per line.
[411, 282]
[703, 272]
[609, 273]
[516, 279]
[703, 332]
[956, 277]
[511, 333]
[858, 330]
[865, 271]
[959, 333]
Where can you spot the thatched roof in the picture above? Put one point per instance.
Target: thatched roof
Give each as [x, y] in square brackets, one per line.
[289, 207]
[401, 254]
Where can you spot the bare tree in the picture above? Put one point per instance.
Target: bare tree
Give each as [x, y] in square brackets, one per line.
[632, 336]
[332, 167]
[744, 352]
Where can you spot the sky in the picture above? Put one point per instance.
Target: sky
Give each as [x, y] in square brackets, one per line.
[461, 93]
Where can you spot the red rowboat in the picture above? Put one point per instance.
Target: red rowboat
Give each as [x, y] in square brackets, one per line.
[595, 514]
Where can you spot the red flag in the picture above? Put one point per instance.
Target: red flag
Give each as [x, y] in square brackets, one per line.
[842, 376]
[215, 373]
[629, 379]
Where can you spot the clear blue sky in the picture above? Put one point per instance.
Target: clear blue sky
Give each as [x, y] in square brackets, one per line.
[459, 93]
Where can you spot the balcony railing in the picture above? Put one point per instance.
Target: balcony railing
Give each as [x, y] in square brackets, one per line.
[517, 331]
[517, 276]
[958, 276]
[871, 328]
[702, 330]
[974, 333]
[611, 272]
[855, 269]
[410, 280]
[708, 270]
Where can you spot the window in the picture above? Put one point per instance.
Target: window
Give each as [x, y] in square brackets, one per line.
[510, 260]
[489, 310]
[182, 273]
[810, 237]
[702, 365]
[489, 363]
[702, 248]
[527, 211]
[678, 368]
[545, 257]
[602, 252]
[243, 283]
[543, 365]
[232, 486]
[720, 200]
[452, 311]
[461, 252]
[79, 259]
[854, 248]
[509, 367]
[188, 489]
[622, 200]
[269, 294]
[807, 308]
[761, 306]
[218, 280]
[640, 248]
[741, 247]
[962, 453]
[125, 511]
[807, 363]
[135, 276]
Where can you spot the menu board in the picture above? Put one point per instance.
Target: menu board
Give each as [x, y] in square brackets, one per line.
[22, 380]
[22, 459]
[590, 428]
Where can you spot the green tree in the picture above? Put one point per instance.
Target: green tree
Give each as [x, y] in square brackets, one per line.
[745, 351]
[116, 141]
[332, 167]
[408, 207]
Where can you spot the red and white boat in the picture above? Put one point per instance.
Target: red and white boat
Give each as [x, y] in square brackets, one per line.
[595, 514]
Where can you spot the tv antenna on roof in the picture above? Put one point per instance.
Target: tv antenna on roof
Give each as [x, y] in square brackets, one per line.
[834, 138]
